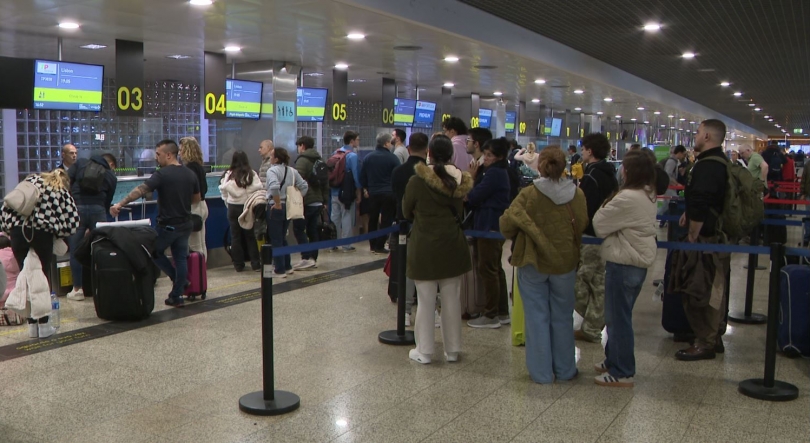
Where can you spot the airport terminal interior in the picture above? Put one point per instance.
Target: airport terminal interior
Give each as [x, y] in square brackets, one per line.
[118, 76]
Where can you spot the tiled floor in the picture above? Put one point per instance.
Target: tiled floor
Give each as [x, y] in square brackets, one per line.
[180, 381]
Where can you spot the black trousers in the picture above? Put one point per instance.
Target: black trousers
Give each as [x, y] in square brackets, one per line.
[306, 230]
[42, 243]
[381, 211]
[241, 239]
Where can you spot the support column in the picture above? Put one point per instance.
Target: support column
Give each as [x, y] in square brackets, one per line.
[285, 86]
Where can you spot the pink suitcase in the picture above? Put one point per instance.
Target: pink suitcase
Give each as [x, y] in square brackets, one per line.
[197, 275]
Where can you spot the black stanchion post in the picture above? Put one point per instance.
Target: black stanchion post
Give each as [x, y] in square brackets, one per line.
[768, 388]
[754, 241]
[269, 401]
[748, 317]
[400, 337]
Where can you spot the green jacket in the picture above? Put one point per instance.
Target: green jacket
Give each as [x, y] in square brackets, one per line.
[437, 248]
[303, 164]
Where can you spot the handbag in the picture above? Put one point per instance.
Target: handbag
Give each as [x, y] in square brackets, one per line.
[387, 267]
[10, 318]
[295, 201]
[23, 198]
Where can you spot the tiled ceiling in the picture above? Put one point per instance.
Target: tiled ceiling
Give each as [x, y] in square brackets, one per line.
[762, 47]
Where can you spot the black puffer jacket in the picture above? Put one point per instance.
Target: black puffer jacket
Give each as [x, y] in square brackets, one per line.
[598, 183]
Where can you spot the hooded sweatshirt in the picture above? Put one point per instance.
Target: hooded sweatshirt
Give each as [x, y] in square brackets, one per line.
[539, 222]
[598, 183]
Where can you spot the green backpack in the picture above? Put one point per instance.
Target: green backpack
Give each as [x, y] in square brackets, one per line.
[743, 208]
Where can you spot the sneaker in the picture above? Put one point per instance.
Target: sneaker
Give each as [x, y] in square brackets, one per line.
[407, 319]
[33, 331]
[45, 330]
[290, 271]
[505, 319]
[176, 302]
[484, 322]
[382, 251]
[333, 249]
[418, 357]
[304, 264]
[451, 357]
[278, 275]
[349, 249]
[437, 319]
[601, 368]
[613, 382]
[76, 295]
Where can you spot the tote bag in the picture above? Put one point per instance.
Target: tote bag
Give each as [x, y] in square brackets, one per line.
[295, 201]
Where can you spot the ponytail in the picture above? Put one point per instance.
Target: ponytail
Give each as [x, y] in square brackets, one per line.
[447, 180]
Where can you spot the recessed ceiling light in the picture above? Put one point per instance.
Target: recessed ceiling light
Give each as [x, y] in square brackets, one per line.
[200, 2]
[497, 93]
[357, 80]
[770, 119]
[578, 91]
[646, 122]
[618, 116]
[232, 49]
[671, 116]
[599, 113]
[766, 116]
[657, 112]
[692, 122]
[356, 36]
[313, 74]
[540, 81]
[341, 66]
[652, 27]
[608, 99]
[178, 56]
[752, 104]
[577, 109]
[535, 100]
[632, 119]
[640, 108]
[683, 119]
[757, 109]
[688, 55]
[777, 125]
[672, 127]
[663, 126]
[93, 46]
[69, 25]
[451, 59]
[738, 94]
[725, 84]
[449, 85]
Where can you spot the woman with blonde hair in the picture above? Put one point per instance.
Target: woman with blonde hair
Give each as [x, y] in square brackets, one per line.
[191, 155]
[529, 156]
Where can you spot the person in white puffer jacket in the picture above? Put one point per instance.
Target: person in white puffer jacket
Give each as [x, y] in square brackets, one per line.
[627, 223]
[238, 183]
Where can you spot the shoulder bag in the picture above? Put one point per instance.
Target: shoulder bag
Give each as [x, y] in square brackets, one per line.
[295, 201]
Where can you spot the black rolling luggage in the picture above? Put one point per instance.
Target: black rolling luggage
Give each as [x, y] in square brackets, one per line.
[119, 291]
[673, 317]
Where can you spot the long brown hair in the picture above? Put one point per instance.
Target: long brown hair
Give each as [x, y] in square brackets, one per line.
[441, 151]
[639, 171]
[552, 163]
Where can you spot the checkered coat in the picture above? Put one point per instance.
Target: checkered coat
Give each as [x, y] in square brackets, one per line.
[55, 212]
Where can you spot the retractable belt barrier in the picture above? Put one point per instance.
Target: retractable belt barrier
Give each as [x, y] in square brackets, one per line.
[327, 244]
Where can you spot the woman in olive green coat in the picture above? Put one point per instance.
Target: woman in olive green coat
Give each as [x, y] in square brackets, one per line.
[437, 250]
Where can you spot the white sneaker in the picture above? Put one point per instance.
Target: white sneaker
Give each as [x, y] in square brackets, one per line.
[76, 295]
[451, 357]
[505, 319]
[418, 357]
[407, 319]
[33, 331]
[290, 271]
[275, 275]
[437, 319]
[484, 322]
[45, 330]
[306, 264]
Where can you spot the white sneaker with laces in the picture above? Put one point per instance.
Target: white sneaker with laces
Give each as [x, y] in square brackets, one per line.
[418, 357]
[33, 331]
[307, 264]
[275, 275]
[76, 295]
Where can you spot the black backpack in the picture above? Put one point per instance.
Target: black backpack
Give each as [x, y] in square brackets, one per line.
[320, 173]
[91, 179]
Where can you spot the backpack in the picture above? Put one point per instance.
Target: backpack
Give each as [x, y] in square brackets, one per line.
[92, 178]
[337, 168]
[661, 180]
[320, 173]
[743, 208]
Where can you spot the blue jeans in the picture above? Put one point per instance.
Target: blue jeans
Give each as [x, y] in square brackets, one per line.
[89, 215]
[622, 286]
[306, 230]
[177, 240]
[548, 305]
[277, 225]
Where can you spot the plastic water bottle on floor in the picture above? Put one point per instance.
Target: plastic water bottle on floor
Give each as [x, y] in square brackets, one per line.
[54, 319]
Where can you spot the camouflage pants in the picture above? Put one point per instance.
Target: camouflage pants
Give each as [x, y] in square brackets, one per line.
[590, 291]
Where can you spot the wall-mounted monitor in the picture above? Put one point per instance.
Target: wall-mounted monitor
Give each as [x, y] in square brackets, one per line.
[311, 104]
[67, 86]
[404, 110]
[484, 118]
[244, 99]
[509, 125]
[556, 127]
[425, 114]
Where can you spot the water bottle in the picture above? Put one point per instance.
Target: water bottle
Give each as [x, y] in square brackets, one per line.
[54, 320]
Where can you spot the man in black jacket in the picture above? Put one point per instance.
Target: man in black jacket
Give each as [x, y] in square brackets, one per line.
[92, 206]
[597, 183]
[375, 177]
[705, 195]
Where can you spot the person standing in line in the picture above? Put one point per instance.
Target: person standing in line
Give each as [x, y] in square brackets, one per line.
[756, 164]
[178, 188]
[575, 158]
[400, 150]
[238, 183]
[705, 197]
[528, 156]
[315, 202]
[775, 159]
[488, 199]
[597, 184]
[619, 175]
[438, 255]
[92, 203]
[266, 148]
[455, 129]
[671, 165]
[69, 156]
[344, 211]
[280, 177]
[476, 139]
[626, 222]
[375, 176]
[191, 155]
[545, 223]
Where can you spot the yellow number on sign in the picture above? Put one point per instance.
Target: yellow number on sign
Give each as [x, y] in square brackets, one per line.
[123, 98]
[137, 99]
[445, 117]
[221, 104]
[339, 112]
[212, 105]
[474, 121]
[522, 127]
[388, 116]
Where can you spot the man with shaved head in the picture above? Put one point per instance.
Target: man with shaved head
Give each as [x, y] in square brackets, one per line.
[69, 154]
[266, 149]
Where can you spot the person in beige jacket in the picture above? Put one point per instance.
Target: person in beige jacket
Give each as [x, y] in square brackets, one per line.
[627, 223]
[237, 185]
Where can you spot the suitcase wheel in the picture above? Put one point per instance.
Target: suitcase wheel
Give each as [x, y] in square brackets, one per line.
[202, 296]
[192, 297]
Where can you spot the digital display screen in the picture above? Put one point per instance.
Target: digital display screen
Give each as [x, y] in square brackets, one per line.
[244, 99]
[67, 86]
[484, 118]
[556, 126]
[404, 110]
[511, 117]
[311, 103]
[425, 114]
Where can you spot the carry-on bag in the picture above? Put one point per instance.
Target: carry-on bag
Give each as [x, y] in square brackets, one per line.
[119, 292]
[673, 317]
[473, 299]
[793, 337]
[197, 276]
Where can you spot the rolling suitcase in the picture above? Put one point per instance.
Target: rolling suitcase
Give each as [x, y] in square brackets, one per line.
[793, 337]
[119, 292]
[473, 300]
[673, 317]
[197, 276]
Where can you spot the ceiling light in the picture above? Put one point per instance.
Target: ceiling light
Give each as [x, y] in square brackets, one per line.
[232, 49]
[672, 127]
[497, 93]
[449, 85]
[777, 125]
[356, 36]
[683, 119]
[652, 27]
[618, 116]
[671, 116]
[357, 80]
[725, 84]
[752, 104]
[663, 126]
[341, 66]
[692, 123]
[178, 56]
[577, 109]
[578, 91]
[535, 100]
[657, 112]
[640, 108]
[738, 94]
[757, 109]
[451, 59]
[200, 2]
[608, 99]
[599, 113]
[646, 122]
[632, 119]
[93, 46]
[767, 116]
[540, 81]
[770, 119]
[688, 55]
[69, 25]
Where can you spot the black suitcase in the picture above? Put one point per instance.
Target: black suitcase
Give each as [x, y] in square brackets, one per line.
[119, 292]
[673, 317]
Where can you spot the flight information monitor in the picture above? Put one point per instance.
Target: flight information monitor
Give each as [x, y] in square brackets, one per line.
[484, 118]
[511, 117]
[67, 86]
[425, 114]
[556, 127]
[403, 111]
[243, 99]
[311, 104]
